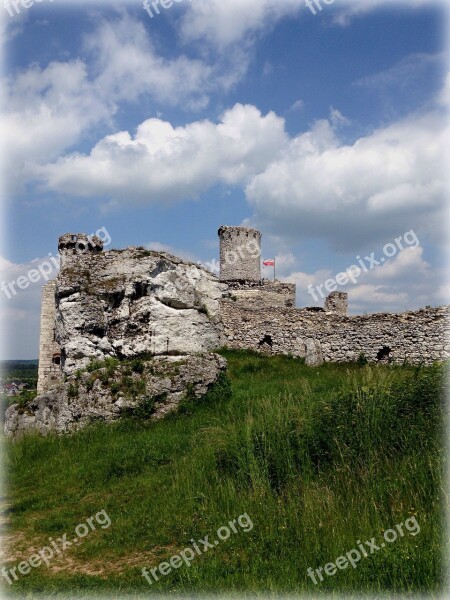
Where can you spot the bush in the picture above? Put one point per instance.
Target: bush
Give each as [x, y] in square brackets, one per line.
[219, 391]
[137, 366]
[362, 360]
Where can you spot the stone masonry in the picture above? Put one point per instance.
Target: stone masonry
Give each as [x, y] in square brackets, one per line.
[49, 351]
[107, 310]
[240, 254]
[132, 302]
[417, 337]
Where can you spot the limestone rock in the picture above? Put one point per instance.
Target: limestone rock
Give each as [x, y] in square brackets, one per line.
[314, 356]
[109, 393]
[127, 303]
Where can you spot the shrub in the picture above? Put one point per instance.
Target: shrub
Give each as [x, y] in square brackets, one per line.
[362, 360]
[219, 391]
[72, 392]
[137, 366]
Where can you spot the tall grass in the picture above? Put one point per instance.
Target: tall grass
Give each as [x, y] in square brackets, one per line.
[319, 458]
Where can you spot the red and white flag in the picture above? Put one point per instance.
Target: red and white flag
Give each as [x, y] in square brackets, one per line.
[269, 263]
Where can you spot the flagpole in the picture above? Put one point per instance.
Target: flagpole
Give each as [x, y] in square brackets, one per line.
[274, 270]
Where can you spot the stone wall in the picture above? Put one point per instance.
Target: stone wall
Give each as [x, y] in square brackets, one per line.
[416, 337]
[337, 302]
[49, 374]
[264, 294]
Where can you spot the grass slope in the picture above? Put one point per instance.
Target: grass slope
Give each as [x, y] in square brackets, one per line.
[318, 458]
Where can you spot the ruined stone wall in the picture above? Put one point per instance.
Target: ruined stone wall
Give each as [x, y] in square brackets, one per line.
[240, 254]
[49, 373]
[337, 302]
[264, 294]
[417, 337]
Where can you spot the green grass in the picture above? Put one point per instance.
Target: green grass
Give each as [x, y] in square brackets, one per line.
[318, 458]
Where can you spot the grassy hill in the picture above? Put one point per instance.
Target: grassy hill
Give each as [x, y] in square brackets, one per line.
[318, 459]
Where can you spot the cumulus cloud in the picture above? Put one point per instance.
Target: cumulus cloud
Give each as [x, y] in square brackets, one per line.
[49, 109]
[316, 184]
[165, 163]
[384, 183]
[407, 281]
[224, 23]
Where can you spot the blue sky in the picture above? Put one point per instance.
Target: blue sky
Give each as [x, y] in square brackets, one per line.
[325, 131]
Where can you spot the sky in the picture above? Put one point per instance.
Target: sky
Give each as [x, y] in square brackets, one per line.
[325, 131]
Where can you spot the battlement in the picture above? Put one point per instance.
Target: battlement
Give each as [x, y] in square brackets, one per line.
[79, 243]
[263, 294]
[337, 302]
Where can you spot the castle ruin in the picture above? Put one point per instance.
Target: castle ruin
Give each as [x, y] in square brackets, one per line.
[122, 304]
[248, 312]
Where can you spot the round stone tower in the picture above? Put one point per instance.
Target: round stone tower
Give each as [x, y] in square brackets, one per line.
[240, 254]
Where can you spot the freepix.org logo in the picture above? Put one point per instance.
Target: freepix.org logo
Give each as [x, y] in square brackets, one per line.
[153, 6]
[366, 264]
[12, 7]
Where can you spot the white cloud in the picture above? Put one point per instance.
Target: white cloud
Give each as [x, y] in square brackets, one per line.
[406, 281]
[298, 105]
[164, 163]
[126, 65]
[409, 262]
[49, 109]
[383, 184]
[181, 253]
[224, 23]
[358, 8]
[403, 73]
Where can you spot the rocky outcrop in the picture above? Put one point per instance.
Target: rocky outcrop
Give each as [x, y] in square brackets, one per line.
[130, 302]
[106, 391]
[314, 356]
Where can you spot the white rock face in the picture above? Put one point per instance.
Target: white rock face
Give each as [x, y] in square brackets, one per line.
[157, 389]
[133, 302]
[128, 304]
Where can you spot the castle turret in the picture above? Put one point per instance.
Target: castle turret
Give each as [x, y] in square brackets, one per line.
[79, 243]
[240, 254]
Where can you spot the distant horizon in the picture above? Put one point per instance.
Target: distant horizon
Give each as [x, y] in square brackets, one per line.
[21, 360]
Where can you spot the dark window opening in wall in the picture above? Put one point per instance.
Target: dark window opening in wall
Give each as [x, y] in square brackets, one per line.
[81, 247]
[266, 341]
[56, 359]
[384, 354]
